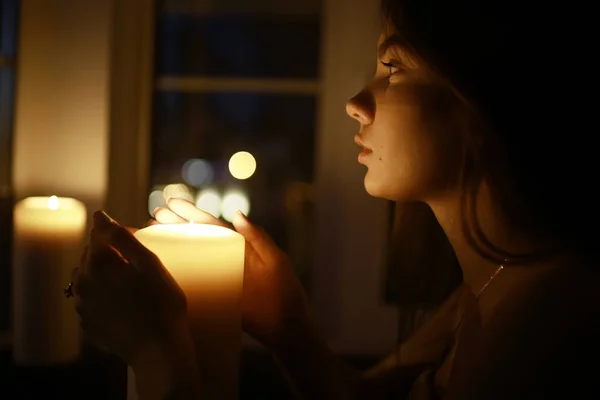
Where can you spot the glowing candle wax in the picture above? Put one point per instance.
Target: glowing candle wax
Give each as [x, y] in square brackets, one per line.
[207, 261]
[48, 239]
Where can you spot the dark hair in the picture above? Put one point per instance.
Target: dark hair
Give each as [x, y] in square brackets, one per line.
[521, 71]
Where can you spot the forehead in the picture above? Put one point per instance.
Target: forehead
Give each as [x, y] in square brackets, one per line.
[390, 37]
[388, 29]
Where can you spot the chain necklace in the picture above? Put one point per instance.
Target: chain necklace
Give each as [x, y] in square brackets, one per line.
[500, 268]
[453, 347]
[478, 294]
[451, 351]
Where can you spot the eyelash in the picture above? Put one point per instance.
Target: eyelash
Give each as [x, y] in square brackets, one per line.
[390, 66]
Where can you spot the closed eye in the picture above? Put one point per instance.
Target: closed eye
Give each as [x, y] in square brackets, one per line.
[392, 67]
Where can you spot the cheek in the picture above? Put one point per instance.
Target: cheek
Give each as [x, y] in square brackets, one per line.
[403, 133]
[415, 155]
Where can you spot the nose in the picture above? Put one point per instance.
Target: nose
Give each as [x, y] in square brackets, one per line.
[361, 107]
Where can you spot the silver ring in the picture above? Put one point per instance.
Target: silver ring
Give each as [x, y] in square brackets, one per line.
[68, 291]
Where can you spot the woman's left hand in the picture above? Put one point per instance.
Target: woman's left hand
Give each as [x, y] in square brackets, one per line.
[128, 302]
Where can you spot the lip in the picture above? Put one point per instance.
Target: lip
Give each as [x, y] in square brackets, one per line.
[358, 141]
[366, 151]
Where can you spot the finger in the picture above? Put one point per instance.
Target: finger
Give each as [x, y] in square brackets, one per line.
[81, 284]
[83, 255]
[104, 261]
[166, 216]
[152, 221]
[122, 240]
[92, 333]
[86, 310]
[88, 339]
[87, 287]
[129, 248]
[187, 210]
[82, 261]
[264, 246]
[131, 230]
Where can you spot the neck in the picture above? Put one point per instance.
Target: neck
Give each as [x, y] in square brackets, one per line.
[476, 269]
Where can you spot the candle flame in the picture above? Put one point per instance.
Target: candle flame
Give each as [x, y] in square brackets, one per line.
[53, 203]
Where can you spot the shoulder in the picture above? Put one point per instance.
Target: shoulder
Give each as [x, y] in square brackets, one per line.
[559, 303]
[544, 339]
[565, 300]
[397, 372]
[428, 342]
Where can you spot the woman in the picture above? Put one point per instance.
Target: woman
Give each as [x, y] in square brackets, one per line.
[469, 113]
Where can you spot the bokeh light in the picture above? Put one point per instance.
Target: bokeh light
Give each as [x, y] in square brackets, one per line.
[232, 201]
[197, 172]
[156, 199]
[242, 165]
[210, 201]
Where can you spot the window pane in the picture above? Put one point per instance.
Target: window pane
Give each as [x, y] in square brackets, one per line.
[240, 45]
[8, 29]
[8, 33]
[196, 134]
[6, 201]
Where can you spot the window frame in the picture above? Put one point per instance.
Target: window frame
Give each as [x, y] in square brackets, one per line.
[355, 325]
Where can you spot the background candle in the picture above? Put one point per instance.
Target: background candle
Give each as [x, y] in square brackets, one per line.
[48, 238]
[208, 263]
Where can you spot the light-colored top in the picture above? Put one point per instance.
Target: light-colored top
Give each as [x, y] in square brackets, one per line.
[541, 338]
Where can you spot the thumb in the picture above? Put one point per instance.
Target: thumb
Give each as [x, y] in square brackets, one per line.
[264, 246]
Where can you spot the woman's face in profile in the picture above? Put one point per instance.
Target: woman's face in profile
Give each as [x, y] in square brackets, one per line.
[407, 127]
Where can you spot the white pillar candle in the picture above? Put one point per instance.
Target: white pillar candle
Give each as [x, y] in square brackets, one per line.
[48, 239]
[207, 261]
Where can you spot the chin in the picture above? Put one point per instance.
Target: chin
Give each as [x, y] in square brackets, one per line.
[378, 189]
[389, 189]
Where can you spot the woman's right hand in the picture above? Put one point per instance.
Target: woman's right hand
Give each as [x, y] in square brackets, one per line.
[274, 302]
